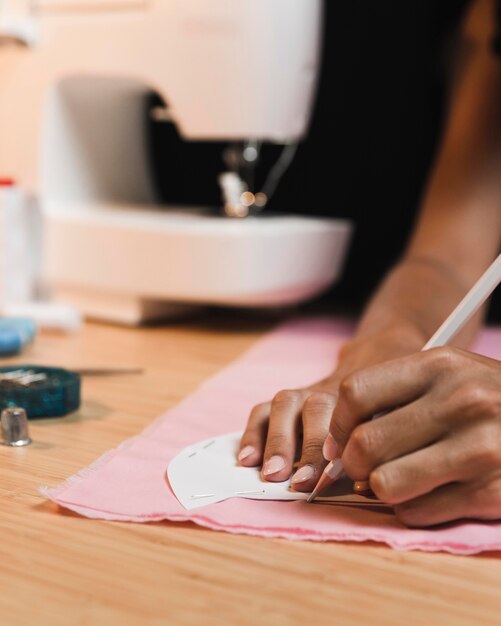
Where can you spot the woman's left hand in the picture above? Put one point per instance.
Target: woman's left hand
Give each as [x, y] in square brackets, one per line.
[435, 452]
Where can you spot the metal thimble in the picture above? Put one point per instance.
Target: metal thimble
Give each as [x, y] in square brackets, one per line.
[14, 425]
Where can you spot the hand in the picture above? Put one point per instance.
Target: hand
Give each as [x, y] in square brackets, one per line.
[436, 452]
[296, 422]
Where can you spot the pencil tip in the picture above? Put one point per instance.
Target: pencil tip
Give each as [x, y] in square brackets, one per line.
[311, 497]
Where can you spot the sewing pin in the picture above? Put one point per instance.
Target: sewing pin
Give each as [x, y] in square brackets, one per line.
[15, 374]
[107, 371]
[239, 493]
[31, 378]
[203, 495]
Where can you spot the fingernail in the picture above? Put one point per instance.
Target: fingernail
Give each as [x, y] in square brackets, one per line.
[307, 472]
[273, 465]
[362, 486]
[245, 452]
[330, 449]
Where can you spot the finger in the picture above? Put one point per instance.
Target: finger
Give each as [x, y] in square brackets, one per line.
[419, 473]
[254, 438]
[445, 504]
[393, 435]
[317, 411]
[383, 387]
[281, 442]
[362, 487]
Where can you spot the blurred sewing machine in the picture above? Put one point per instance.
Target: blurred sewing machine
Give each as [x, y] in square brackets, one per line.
[74, 79]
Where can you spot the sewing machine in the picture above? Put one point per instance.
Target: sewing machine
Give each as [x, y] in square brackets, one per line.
[74, 79]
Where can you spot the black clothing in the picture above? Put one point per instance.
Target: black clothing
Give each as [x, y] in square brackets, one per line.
[379, 113]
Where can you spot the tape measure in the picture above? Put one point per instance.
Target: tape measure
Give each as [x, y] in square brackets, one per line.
[41, 391]
[15, 334]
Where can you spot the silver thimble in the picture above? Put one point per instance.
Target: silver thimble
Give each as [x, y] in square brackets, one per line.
[14, 423]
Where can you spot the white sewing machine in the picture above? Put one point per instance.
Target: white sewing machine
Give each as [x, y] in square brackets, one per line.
[74, 77]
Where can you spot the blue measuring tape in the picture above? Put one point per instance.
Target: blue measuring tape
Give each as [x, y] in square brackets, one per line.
[41, 391]
[15, 334]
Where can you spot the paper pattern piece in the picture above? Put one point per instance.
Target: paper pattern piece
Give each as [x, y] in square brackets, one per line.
[129, 483]
[207, 472]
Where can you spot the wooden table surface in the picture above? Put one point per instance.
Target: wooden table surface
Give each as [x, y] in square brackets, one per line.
[57, 568]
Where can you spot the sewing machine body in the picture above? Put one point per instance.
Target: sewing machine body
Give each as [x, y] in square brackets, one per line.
[73, 128]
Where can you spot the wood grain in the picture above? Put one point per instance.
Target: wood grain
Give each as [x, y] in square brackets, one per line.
[57, 568]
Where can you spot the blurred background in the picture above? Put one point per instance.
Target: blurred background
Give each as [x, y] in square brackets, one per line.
[120, 121]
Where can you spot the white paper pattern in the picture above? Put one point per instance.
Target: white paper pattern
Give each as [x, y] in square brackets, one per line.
[211, 467]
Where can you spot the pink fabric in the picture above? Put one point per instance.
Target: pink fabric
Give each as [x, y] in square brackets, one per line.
[129, 483]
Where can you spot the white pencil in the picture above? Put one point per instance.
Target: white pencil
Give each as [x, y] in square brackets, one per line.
[463, 312]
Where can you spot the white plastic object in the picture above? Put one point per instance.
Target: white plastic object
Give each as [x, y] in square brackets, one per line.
[119, 262]
[46, 315]
[20, 234]
[17, 23]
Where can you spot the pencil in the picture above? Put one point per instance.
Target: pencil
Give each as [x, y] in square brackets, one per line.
[463, 312]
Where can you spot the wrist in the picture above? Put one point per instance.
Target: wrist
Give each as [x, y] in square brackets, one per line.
[415, 297]
[383, 344]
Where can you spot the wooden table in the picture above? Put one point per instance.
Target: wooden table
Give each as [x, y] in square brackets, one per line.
[61, 569]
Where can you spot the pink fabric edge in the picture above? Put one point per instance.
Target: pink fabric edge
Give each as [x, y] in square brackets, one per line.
[53, 493]
[292, 534]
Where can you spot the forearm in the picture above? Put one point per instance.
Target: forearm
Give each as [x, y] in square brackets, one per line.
[413, 300]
